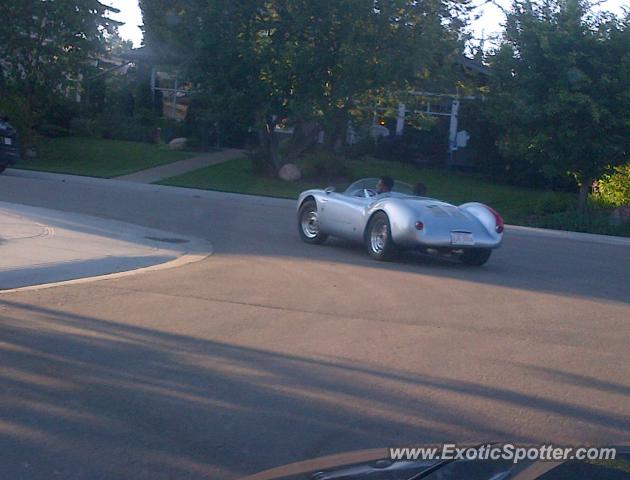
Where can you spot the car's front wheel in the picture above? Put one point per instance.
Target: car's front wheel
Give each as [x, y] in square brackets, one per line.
[308, 224]
[476, 257]
[378, 238]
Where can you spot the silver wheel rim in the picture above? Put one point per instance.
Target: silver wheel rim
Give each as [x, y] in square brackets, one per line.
[378, 237]
[310, 224]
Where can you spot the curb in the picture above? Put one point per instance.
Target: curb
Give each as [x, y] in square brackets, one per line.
[568, 235]
[195, 250]
[178, 262]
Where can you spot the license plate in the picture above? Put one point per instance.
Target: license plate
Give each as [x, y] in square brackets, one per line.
[461, 238]
[7, 141]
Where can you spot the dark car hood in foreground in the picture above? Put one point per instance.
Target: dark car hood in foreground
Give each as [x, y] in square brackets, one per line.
[375, 465]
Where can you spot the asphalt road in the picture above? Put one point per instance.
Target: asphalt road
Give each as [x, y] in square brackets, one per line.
[273, 351]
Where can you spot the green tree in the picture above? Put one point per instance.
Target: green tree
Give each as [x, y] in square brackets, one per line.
[46, 45]
[313, 62]
[560, 94]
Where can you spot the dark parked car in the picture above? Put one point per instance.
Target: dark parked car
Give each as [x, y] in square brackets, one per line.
[9, 146]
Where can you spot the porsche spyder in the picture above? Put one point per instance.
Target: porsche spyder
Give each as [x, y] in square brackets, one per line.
[395, 220]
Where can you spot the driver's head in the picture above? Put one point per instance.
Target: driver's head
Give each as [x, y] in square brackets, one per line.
[385, 184]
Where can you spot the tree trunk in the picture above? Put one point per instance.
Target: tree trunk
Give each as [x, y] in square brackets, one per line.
[304, 137]
[340, 138]
[337, 130]
[269, 141]
[274, 154]
[585, 189]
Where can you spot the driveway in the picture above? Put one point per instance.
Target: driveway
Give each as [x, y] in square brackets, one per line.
[273, 351]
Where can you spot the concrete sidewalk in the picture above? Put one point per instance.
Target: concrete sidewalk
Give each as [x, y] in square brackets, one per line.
[40, 246]
[156, 174]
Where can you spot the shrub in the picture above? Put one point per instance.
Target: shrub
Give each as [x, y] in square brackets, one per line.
[121, 127]
[117, 126]
[550, 202]
[52, 130]
[591, 222]
[86, 127]
[323, 166]
[171, 129]
[414, 145]
[261, 164]
[365, 146]
[60, 112]
[143, 96]
[614, 188]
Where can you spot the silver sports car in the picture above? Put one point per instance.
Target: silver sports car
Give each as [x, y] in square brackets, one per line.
[387, 222]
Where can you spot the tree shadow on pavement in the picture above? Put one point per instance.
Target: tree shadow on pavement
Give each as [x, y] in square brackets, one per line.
[85, 397]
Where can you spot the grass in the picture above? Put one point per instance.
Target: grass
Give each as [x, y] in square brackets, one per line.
[516, 204]
[98, 158]
[238, 176]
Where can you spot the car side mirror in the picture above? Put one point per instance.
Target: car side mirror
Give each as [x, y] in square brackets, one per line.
[329, 190]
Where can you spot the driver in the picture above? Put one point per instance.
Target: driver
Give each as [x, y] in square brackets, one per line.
[385, 184]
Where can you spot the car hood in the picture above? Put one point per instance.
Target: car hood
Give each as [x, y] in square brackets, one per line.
[322, 463]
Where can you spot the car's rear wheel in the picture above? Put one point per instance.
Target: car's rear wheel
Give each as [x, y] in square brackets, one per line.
[476, 257]
[378, 238]
[308, 223]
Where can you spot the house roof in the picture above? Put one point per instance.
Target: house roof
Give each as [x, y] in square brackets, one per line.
[474, 65]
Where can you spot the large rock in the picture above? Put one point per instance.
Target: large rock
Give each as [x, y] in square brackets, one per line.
[290, 172]
[621, 215]
[178, 143]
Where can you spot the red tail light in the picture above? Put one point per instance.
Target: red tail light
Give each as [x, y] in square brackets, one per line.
[498, 219]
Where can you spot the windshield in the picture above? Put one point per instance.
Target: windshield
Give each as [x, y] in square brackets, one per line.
[370, 184]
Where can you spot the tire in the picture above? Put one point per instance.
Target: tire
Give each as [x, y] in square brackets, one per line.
[476, 257]
[378, 238]
[308, 224]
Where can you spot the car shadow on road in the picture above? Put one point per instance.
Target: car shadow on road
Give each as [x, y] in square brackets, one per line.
[546, 265]
[88, 397]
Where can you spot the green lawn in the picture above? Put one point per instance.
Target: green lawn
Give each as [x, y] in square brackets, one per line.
[516, 204]
[238, 176]
[98, 158]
